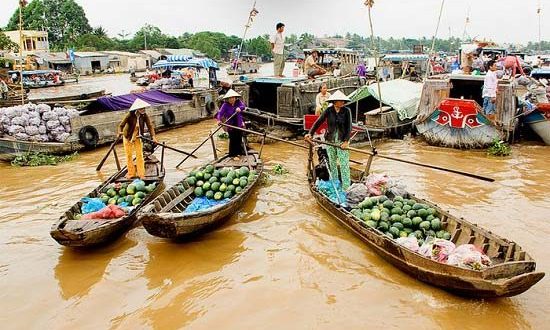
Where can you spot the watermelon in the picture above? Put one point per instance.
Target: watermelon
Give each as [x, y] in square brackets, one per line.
[198, 192]
[238, 190]
[213, 179]
[425, 225]
[207, 176]
[236, 182]
[231, 188]
[218, 196]
[228, 194]
[243, 183]
[215, 186]
[209, 194]
[199, 183]
[371, 224]
[206, 186]
[191, 180]
[223, 187]
[209, 169]
[136, 201]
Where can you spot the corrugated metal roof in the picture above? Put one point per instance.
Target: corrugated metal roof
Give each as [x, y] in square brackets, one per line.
[89, 54]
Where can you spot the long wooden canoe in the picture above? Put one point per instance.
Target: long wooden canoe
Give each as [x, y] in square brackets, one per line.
[512, 271]
[85, 233]
[164, 216]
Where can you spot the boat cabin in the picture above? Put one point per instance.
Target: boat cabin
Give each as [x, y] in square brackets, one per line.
[347, 59]
[406, 65]
[40, 78]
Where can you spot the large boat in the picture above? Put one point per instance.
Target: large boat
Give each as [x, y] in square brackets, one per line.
[450, 113]
[246, 64]
[97, 123]
[279, 104]
[513, 270]
[44, 78]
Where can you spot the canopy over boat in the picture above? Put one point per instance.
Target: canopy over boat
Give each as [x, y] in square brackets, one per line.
[123, 102]
[183, 61]
[35, 72]
[402, 95]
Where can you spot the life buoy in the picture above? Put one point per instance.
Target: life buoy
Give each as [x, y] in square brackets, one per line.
[168, 118]
[210, 106]
[88, 136]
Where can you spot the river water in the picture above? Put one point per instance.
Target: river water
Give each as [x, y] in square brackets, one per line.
[279, 262]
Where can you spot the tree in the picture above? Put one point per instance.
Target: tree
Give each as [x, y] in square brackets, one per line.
[259, 46]
[65, 21]
[7, 44]
[93, 42]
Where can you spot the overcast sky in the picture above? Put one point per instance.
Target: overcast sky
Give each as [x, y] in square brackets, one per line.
[498, 20]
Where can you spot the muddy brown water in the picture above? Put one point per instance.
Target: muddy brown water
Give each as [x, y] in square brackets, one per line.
[280, 262]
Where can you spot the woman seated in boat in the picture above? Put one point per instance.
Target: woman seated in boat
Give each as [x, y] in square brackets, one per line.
[321, 102]
[338, 118]
[131, 128]
[231, 114]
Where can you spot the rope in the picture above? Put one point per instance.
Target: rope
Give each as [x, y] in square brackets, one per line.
[369, 4]
[435, 35]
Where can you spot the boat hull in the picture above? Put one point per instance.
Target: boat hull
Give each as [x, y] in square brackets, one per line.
[540, 125]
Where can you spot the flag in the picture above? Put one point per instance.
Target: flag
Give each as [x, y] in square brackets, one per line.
[253, 14]
[22, 3]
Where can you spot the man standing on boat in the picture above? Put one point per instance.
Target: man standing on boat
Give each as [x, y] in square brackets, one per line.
[131, 128]
[277, 47]
[490, 90]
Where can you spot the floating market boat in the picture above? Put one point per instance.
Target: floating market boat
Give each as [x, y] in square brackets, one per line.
[75, 95]
[539, 121]
[450, 114]
[97, 123]
[512, 272]
[247, 64]
[166, 217]
[279, 105]
[43, 78]
[74, 232]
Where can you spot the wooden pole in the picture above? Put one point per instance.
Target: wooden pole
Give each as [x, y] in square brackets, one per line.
[214, 151]
[167, 147]
[21, 52]
[100, 165]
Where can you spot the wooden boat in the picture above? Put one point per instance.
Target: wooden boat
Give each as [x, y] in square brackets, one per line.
[164, 216]
[87, 233]
[539, 121]
[74, 95]
[450, 115]
[512, 273]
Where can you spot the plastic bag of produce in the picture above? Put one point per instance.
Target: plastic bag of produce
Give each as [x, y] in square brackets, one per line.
[410, 243]
[22, 136]
[108, 212]
[15, 129]
[49, 115]
[441, 249]
[71, 113]
[51, 124]
[90, 205]
[43, 138]
[469, 256]
[9, 112]
[333, 190]
[61, 112]
[357, 193]
[34, 121]
[42, 129]
[396, 188]
[64, 120]
[20, 121]
[31, 130]
[376, 184]
[62, 137]
[41, 108]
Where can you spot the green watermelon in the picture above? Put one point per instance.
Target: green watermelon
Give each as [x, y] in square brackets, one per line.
[209, 169]
[198, 192]
[191, 180]
[206, 186]
[213, 179]
[227, 194]
[218, 196]
[215, 186]
[136, 201]
[243, 183]
[238, 190]
[209, 194]
[223, 187]
[231, 188]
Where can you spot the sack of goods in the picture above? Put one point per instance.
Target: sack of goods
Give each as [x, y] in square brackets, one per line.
[36, 123]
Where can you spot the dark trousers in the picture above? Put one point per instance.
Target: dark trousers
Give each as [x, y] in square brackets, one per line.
[235, 143]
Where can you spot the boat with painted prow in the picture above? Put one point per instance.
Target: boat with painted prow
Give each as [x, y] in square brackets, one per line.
[165, 217]
[513, 271]
[73, 232]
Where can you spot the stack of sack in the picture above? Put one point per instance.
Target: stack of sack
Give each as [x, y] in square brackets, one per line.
[37, 123]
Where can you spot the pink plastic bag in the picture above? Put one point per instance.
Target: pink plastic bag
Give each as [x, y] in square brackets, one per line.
[410, 243]
[108, 212]
[376, 184]
[469, 256]
[437, 249]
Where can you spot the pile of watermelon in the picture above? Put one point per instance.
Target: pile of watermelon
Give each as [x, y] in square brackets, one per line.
[126, 194]
[401, 217]
[220, 184]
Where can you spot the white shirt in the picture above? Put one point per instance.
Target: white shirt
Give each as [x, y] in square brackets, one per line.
[279, 41]
[490, 84]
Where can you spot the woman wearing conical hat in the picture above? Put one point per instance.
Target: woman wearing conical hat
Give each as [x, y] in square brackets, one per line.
[338, 118]
[130, 128]
[231, 110]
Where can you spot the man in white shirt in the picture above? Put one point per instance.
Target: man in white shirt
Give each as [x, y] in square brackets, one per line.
[277, 47]
[490, 89]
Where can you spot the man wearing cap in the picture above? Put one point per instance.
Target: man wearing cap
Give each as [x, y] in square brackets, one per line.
[338, 118]
[131, 127]
[231, 114]
[311, 68]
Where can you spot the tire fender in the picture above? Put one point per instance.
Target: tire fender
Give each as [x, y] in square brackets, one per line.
[88, 136]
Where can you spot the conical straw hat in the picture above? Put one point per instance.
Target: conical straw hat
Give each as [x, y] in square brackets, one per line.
[231, 93]
[338, 96]
[139, 104]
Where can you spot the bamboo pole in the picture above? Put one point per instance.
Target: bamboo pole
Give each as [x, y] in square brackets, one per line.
[21, 52]
[434, 37]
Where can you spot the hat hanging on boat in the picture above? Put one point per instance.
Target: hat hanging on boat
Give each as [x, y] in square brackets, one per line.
[338, 96]
[231, 93]
[139, 104]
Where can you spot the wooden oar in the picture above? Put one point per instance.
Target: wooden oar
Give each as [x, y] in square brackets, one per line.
[370, 153]
[206, 140]
[167, 147]
[100, 165]
[277, 139]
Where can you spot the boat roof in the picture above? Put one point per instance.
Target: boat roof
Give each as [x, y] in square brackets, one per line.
[330, 50]
[28, 73]
[185, 62]
[405, 57]
[276, 80]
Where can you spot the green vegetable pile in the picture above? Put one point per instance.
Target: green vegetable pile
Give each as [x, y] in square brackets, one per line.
[131, 194]
[499, 148]
[401, 218]
[220, 184]
[41, 159]
[223, 136]
[279, 169]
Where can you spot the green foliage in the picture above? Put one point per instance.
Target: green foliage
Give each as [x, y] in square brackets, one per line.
[279, 169]
[499, 148]
[223, 136]
[213, 44]
[7, 44]
[41, 159]
[65, 21]
[94, 42]
[259, 46]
